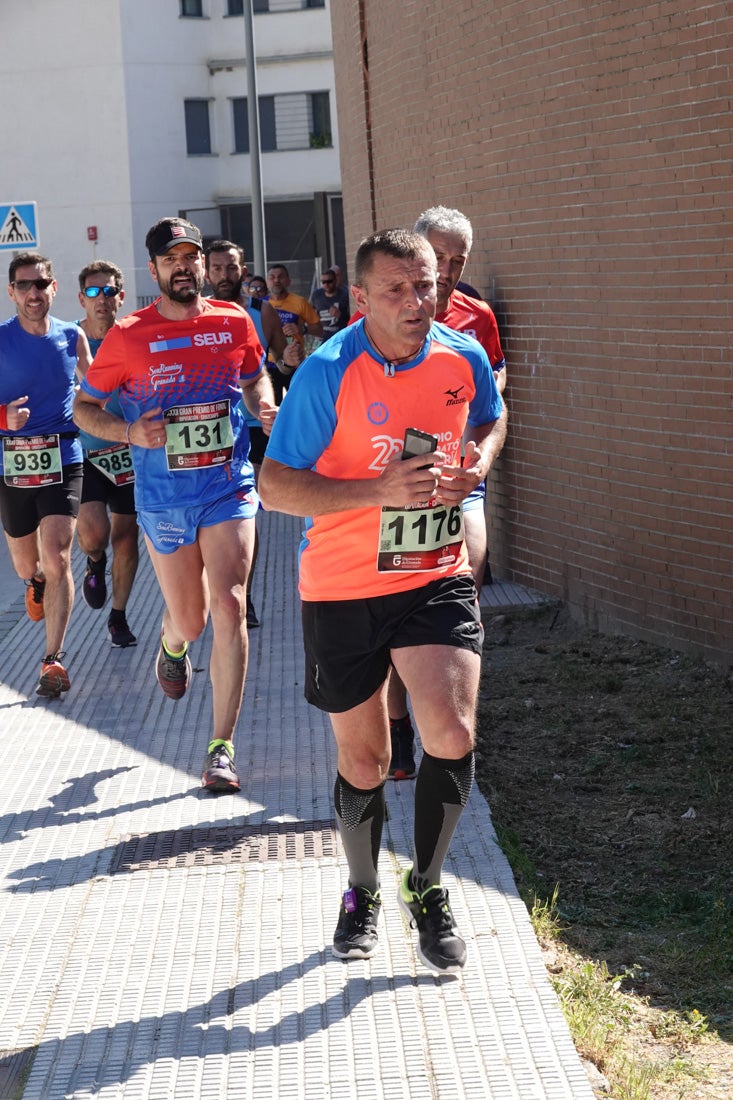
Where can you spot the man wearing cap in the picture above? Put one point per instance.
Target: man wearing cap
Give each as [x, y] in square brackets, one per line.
[181, 366]
[331, 303]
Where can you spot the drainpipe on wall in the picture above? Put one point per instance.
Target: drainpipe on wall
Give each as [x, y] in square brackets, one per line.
[367, 109]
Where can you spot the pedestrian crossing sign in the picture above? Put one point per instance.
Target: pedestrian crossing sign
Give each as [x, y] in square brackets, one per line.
[18, 226]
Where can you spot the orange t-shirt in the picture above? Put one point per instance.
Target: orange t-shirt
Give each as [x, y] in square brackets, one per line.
[345, 417]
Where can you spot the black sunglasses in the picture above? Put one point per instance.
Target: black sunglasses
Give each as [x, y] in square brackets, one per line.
[95, 291]
[26, 284]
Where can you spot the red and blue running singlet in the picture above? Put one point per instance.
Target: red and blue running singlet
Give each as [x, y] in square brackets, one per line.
[192, 370]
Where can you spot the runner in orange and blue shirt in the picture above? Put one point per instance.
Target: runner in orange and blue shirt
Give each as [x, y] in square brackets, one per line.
[351, 421]
[181, 367]
[384, 574]
[451, 235]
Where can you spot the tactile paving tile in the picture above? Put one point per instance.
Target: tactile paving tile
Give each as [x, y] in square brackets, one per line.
[191, 969]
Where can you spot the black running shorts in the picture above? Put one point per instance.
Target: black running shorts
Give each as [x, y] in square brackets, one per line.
[119, 498]
[348, 643]
[257, 444]
[22, 510]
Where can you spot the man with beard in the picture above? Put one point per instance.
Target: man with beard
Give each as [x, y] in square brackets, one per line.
[182, 366]
[298, 317]
[225, 272]
[331, 302]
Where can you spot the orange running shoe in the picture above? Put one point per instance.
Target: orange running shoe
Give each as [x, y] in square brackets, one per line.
[34, 599]
[54, 678]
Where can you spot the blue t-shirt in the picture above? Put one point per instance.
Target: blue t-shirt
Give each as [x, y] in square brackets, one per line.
[44, 368]
[94, 442]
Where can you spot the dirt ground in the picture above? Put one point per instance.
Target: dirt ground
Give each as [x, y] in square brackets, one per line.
[608, 766]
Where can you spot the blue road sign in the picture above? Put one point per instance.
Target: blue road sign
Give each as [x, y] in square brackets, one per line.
[18, 226]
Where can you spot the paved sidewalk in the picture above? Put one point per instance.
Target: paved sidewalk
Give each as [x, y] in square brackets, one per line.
[158, 942]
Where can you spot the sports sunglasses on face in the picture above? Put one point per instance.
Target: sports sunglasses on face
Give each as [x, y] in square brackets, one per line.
[26, 284]
[95, 291]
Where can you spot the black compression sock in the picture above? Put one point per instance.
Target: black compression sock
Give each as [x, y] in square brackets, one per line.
[441, 792]
[360, 816]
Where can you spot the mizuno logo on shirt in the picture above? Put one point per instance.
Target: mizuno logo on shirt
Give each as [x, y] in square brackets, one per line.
[170, 345]
[455, 399]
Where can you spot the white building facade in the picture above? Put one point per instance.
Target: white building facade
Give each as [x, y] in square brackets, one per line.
[119, 112]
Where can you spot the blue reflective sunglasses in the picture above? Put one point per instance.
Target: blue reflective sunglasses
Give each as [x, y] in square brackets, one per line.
[95, 291]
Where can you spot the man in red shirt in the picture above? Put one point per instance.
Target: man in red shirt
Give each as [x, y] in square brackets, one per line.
[184, 367]
[451, 235]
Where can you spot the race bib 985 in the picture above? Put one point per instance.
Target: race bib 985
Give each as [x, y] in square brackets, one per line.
[115, 462]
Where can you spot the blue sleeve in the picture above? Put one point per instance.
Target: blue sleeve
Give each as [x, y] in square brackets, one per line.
[487, 403]
[92, 392]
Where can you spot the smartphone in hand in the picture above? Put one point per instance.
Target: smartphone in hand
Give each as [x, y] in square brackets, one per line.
[418, 443]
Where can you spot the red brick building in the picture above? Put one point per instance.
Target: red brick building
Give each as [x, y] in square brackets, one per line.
[590, 145]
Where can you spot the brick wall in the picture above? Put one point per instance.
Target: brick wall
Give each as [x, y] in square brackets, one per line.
[590, 144]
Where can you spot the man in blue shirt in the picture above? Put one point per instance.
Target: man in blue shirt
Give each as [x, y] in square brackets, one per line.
[41, 479]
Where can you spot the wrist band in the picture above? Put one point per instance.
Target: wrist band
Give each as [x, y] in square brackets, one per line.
[127, 432]
[4, 417]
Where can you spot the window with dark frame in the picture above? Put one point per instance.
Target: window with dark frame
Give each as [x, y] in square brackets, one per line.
[198, 128]
[300, 120]
[240, 118]
[241, 124]
[192, 9]
[261, 6]
[320, 134]
[268, 128]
